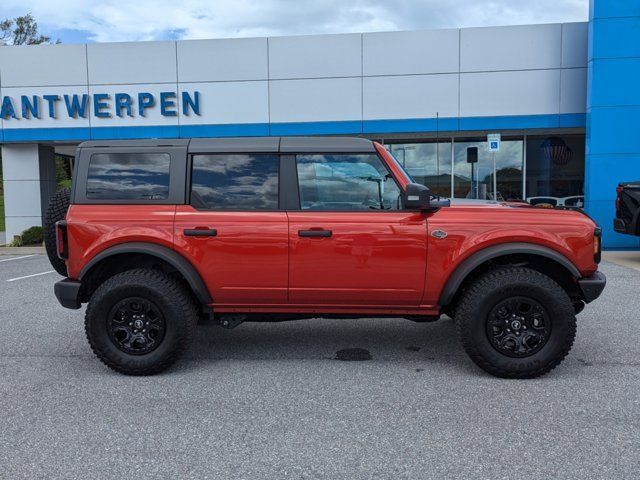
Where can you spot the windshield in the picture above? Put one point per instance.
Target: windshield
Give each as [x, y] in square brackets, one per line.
[407, 174]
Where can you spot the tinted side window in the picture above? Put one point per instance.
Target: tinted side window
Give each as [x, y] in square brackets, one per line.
[128, 176]
[235, 182]
[346, 182]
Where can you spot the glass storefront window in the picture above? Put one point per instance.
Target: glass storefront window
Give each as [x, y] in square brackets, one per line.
[555, 170]
[475, 180]
[428, 163]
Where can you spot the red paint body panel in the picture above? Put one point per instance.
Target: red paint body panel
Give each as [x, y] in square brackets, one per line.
[246, 263]
[470, 228]
[93, 228]
[372, 258]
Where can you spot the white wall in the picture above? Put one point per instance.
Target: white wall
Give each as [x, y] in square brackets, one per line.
[473, 72]
[21, 183]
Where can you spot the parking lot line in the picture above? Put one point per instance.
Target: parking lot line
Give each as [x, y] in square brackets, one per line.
[29, 276]
[17, 258]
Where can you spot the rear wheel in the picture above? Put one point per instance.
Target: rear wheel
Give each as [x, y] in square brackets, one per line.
[515, 322]
[139, 322]
[56, 211]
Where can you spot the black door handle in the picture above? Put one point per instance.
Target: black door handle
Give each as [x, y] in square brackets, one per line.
[315, 233]
[200, 232]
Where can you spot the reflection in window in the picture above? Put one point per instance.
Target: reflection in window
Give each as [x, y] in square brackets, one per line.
[555, 170]
[475, 180]
[235, 182]
[428, 164]
[128, 176]
[346, 182]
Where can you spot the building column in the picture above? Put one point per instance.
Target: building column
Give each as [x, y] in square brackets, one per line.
[613, 111]
[29, 179]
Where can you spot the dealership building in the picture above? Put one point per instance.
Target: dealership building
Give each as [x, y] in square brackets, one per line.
[563, 97]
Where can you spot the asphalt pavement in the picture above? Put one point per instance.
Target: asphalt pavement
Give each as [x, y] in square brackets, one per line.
[271, 401]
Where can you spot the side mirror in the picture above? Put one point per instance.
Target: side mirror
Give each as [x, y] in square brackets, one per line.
[417, 197]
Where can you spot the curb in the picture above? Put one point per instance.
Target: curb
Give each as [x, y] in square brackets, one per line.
[22, 251]
[629, 259]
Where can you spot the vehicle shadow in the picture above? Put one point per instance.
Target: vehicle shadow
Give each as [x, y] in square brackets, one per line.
[392, 340]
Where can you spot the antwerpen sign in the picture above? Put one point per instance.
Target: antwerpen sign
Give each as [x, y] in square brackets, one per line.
[100, 105]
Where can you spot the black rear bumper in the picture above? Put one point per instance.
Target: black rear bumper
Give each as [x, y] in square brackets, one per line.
[619, 225]
[67, 292]
[591, 287]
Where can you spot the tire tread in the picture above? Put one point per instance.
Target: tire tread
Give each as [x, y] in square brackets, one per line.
[56, 211]
[472, 295]
[171, 289]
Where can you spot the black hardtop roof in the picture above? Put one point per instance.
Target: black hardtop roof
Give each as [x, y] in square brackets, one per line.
[248, 144]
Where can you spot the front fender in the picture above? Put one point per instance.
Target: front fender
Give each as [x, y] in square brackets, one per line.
[475, 260]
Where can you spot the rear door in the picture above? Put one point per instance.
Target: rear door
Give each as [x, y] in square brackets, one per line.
[233, 230]
[351, 241]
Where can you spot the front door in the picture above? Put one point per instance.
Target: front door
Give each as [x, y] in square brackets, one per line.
[234, 232]
[350, 242]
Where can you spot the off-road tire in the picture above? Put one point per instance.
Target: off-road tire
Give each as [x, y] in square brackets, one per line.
[480, 297]
[172, 299]
[56, 211]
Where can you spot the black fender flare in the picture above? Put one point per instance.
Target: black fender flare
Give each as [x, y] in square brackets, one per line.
[473, 261]
[173, 258]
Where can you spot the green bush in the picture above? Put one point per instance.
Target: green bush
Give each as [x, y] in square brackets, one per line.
[31, 236]
[64, 184]
[63, 172]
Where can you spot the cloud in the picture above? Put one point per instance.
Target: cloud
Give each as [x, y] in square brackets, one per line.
[114, 20]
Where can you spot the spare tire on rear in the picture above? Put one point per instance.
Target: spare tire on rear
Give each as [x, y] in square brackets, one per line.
[57, 210]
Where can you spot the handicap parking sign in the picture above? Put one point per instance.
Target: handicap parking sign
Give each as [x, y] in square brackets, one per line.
[493, 142]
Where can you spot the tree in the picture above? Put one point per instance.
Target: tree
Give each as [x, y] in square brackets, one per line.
[21, 31]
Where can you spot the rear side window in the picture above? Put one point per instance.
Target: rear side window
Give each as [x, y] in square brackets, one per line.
[235, 182]
[128, 176]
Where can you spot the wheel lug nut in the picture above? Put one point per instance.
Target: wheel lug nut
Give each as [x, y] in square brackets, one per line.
[147, 323]
[131, 324]
[144, 330]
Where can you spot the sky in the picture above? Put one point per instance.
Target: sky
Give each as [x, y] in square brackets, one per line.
[79, 21]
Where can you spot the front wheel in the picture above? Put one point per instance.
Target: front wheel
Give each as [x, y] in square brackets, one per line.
[516, 322]
[139, 322]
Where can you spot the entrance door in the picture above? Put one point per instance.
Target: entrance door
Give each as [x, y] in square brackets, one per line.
[233, 232]
[351, 243]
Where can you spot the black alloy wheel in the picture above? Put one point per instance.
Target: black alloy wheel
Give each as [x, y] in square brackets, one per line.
[136, 326]
[518, 327]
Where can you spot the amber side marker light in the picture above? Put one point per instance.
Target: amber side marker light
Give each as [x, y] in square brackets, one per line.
[597, 245]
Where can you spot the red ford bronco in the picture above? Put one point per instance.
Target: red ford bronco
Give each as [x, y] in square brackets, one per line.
[156, 234]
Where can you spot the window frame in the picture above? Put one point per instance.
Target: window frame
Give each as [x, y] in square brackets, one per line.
[293, 174]
[189, 183]
[177, 160]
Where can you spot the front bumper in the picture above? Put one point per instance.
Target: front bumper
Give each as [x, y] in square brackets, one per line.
[591, 287]
[67, 292]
